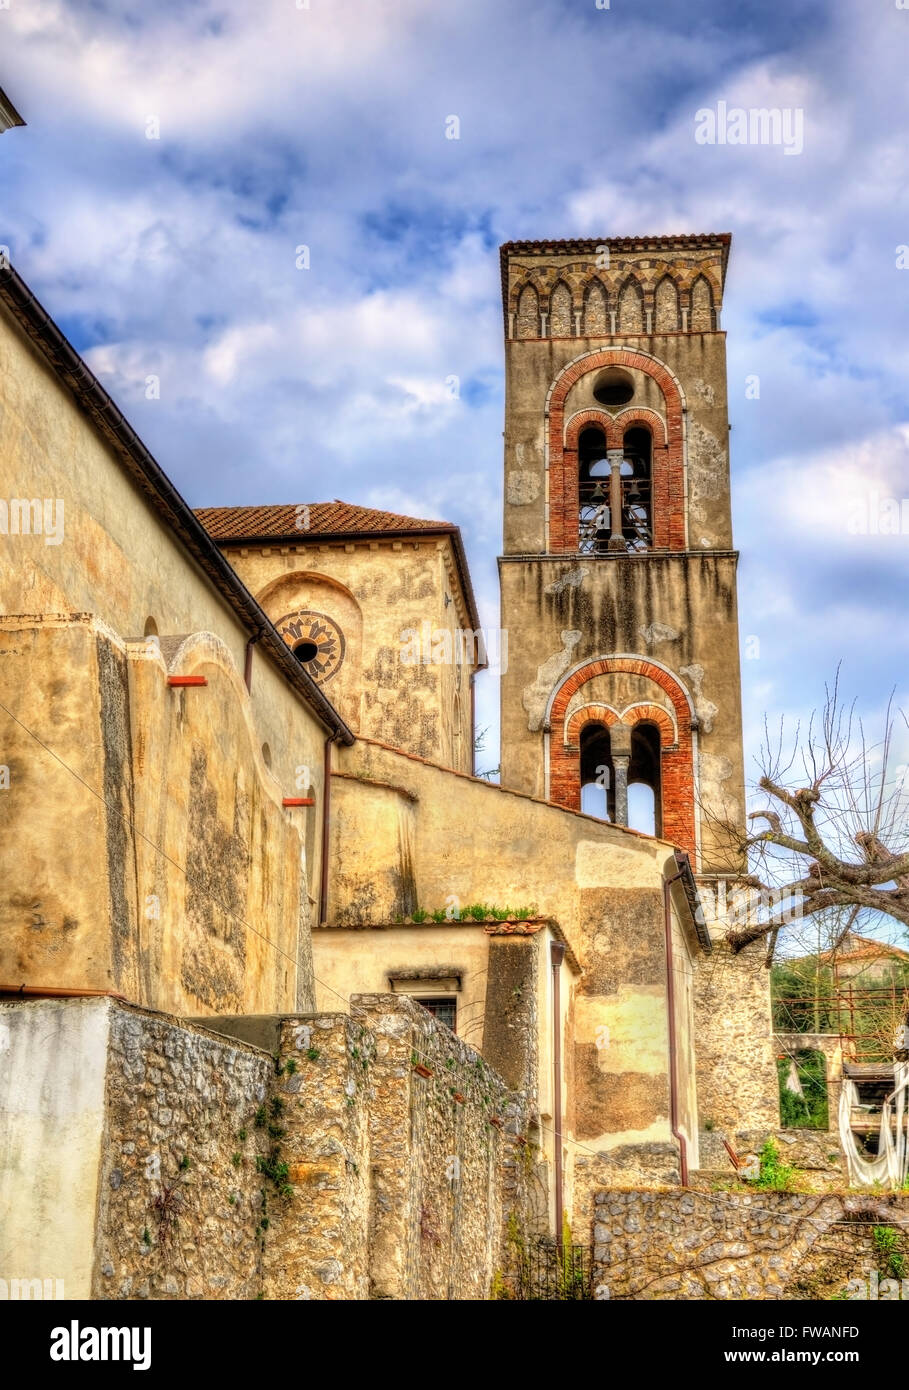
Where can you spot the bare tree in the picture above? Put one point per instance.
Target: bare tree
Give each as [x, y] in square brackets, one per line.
[832, 844]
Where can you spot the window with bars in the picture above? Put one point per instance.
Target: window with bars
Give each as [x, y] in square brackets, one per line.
[442, 1007]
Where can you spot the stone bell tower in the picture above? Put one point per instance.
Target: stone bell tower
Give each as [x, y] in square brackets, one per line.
[618, 573]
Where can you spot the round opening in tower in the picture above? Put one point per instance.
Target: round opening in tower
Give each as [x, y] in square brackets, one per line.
[306, 651]
[613, 387]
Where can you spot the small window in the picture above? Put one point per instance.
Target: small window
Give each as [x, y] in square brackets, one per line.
[444, 1009]
[613, 387]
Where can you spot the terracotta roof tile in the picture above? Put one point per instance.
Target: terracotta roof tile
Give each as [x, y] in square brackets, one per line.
[304, 519]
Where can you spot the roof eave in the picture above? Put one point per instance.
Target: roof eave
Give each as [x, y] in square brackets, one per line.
[693, 899]
[9, 116]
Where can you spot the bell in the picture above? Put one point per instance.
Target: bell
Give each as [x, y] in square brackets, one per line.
[598, 494]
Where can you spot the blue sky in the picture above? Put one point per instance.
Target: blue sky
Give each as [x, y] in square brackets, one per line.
[325, 126]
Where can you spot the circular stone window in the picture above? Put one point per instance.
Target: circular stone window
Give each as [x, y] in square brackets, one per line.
[315, 640]
[613, 387]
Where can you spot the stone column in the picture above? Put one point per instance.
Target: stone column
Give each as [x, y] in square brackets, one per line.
[620, 749]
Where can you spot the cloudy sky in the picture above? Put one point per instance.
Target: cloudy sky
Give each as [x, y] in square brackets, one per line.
[322, 123]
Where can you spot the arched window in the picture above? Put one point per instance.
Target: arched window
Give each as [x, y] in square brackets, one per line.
[598, 491]
[644, 809]
[597, 783]
[637, 514]
[593, 493]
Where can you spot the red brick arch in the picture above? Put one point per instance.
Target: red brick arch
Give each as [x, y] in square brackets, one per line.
[668, 451]
[588, 714]
[653, 714]
[677, 790]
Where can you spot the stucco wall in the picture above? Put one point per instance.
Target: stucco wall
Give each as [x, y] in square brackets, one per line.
[53, 1062]
[119, 560]
[474, 842]
[676, 610]
[149, 851]
[174, 784]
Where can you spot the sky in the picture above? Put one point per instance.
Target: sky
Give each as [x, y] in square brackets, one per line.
[178, 155]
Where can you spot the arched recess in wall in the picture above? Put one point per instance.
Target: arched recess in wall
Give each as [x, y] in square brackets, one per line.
[702, 312]
[663, 755]
[527, 318]
[596, 310]
[630, 317]
[666, 305]
[560, 317]
[666, 521]
[322, 622]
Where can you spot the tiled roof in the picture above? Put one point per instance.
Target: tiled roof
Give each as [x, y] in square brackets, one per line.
[297, 522]
[619, 243]
[300, 520]
[856, 947]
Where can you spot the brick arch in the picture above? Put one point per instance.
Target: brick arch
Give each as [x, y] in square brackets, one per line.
[587, 714]
[640, 415]
[652, 714]
[578, 422]
[677, 772]
[669, 522]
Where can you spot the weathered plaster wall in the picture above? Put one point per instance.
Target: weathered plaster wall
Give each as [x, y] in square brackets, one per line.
[677, 610]
[603, 886]
[119, 560]
[729, 1245]
[378, 591]
[358, 960]
[148, 849]
[53, 1060]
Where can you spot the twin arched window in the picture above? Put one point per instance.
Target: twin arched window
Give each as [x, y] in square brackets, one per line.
[640, 776]
[615, 493]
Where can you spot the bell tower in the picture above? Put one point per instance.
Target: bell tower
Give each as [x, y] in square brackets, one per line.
[618, 578]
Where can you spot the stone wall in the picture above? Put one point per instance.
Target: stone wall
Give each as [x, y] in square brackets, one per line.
[736, 1062]
[449, 1158]
[731, 1245]
[180, 1205]
[335, 1157]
